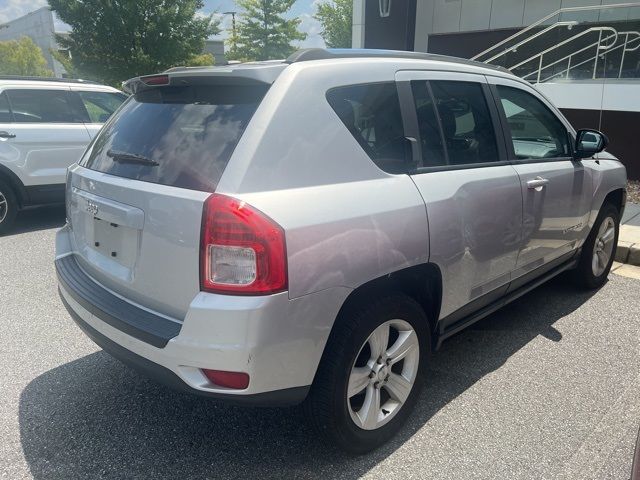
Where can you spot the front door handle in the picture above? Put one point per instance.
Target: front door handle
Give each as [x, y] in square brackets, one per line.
[7, 135]
[537, 183]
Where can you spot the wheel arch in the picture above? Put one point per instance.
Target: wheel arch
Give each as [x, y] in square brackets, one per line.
[616, 197]
[16, 185]
[423, 283]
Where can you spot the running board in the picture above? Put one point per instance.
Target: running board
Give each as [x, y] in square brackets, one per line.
[498, 304]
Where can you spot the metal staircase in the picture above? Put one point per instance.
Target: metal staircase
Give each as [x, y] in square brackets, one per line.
[563, 46]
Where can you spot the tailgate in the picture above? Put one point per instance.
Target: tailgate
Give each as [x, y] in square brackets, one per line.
[145, 245]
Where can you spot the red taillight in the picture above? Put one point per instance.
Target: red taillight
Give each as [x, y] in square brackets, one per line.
[236, 380]
[242, 251]
[155, 80]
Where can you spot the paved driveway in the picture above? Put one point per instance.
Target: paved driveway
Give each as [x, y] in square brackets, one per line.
[547, 388]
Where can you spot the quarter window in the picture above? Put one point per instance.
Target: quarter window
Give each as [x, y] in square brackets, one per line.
[100, 105]
[466, 122]
[41, 106]
[371, 113]
[535, 131]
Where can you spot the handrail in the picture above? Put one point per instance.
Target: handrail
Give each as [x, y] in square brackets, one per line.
[513, 48]
[610, 48]
[581, 34]
[551, 15]
[568, 57]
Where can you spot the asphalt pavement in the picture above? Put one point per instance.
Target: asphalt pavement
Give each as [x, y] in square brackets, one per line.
[547, 388]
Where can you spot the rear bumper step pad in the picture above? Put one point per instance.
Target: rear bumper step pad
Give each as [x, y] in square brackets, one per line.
[104, 305]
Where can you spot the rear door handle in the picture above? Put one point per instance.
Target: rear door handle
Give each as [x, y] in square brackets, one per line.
[7, 135]
[537, 183]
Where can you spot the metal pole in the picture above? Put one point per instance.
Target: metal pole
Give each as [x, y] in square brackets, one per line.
[595, 65]
[539, 68]
[624, 49]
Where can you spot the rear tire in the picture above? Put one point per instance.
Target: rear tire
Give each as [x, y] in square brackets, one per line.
[366, 386]
[8, 207]
[598, 251]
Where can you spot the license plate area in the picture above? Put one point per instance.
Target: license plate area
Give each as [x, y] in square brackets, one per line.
[116, 242]
[107, 233]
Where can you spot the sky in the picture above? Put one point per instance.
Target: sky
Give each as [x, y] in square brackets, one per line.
[304, 9]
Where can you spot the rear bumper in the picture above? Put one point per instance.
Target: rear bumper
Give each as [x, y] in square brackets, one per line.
[289, 396]
[276, 340]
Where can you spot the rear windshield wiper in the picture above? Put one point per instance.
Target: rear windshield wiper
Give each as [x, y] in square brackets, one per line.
[124, 157]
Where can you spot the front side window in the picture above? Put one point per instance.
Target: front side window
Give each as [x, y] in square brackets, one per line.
[371, 113]
[466, 122]
[101, 105]
[535, 131]
[41, 106]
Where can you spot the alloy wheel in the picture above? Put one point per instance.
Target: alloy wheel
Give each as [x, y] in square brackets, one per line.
[603, 247]
[383, 374]
[4, 207]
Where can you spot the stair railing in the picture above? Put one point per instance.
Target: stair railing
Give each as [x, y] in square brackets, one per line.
[534, 25]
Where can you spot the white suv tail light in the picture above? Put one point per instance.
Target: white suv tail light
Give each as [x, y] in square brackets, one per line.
[242, 251]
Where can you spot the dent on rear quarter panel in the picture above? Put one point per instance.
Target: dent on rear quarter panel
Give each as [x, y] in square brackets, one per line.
[346, 221]
[347, 234]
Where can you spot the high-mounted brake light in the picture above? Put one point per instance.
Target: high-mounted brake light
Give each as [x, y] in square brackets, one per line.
[155, 80]
[242, 251]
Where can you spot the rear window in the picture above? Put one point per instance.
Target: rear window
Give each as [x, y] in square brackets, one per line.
[178, 136]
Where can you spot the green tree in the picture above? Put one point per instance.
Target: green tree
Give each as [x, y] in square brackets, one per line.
[22, 57]
[116, 40]
[263, 33]
[336, 18]
[202, 60]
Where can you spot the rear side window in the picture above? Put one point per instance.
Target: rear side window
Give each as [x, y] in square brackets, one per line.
[371, 113]
[41, 106]
[101, 105]
[433, 152]
[467, 126]
[5, 112]
[178, 136]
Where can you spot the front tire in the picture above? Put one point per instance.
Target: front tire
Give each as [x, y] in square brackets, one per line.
[598, 251]
[371, 373]
[8, 207]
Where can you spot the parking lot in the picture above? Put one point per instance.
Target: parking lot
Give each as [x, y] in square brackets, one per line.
[547, 388]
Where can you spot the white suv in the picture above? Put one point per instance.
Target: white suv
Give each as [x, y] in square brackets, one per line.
[45, 125]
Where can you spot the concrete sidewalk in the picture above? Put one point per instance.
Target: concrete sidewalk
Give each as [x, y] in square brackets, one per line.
[628, 250]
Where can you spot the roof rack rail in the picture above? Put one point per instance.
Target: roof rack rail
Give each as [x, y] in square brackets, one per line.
[46, 79]
[308, 54]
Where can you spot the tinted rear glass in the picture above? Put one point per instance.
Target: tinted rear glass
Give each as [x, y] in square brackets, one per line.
[178, 136]
[371, 113]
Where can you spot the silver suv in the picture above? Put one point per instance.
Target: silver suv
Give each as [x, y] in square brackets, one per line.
[310, 230]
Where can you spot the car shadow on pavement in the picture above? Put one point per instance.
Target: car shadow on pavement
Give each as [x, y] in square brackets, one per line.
[94, 417]
[41, 218]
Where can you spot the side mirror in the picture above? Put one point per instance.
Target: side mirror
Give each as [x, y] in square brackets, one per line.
[589, 142]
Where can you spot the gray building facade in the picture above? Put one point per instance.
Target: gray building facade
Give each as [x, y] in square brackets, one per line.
[38, 26]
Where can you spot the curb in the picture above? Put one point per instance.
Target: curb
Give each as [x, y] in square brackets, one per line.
[628, 249]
